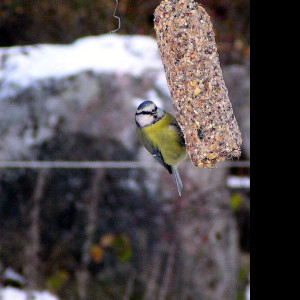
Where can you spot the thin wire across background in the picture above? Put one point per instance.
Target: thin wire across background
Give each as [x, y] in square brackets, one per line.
[99, 164]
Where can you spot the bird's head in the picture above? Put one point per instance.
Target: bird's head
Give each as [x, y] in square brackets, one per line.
[148, 113]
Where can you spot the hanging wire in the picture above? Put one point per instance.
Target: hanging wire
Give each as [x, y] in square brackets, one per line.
[119, 20]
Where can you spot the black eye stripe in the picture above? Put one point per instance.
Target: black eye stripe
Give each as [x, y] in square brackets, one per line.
[147, 112]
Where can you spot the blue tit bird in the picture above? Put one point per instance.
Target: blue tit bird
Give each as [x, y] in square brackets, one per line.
[162, 137]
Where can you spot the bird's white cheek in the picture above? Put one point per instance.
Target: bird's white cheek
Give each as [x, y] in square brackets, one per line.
[145, 120]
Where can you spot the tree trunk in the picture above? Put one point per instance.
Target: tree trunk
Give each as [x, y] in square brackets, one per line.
[91, 222]
[33, 246]
[207, 239]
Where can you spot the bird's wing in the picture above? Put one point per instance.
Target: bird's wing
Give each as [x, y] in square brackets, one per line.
[180, 133]
[158, 156]
[153, 150]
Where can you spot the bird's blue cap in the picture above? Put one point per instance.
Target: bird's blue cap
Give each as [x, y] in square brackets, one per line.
[144, 104]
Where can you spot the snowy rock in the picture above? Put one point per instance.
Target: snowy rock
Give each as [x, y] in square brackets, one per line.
[89, 86]
[9, 293]
[45, 86]
[24, 66]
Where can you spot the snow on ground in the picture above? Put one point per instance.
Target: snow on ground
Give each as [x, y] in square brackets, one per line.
[236, 182]
[20, 66]
[248, 292]
[10, 293]
[11, 275]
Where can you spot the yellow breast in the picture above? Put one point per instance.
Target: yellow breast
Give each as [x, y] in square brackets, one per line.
[166, 138]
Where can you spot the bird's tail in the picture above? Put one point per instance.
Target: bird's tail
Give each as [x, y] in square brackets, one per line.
[177, 180]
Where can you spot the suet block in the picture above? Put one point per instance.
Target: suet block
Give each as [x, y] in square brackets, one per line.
[188, 50]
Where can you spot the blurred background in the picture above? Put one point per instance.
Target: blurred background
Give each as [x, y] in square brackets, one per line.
[68, 93]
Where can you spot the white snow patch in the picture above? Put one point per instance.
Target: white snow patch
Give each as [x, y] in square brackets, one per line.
[10, 293]
[248, 292]
[238, 182]
[10, 274]
[22, 66]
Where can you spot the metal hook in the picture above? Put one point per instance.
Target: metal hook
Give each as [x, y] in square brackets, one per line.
[119, 20]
